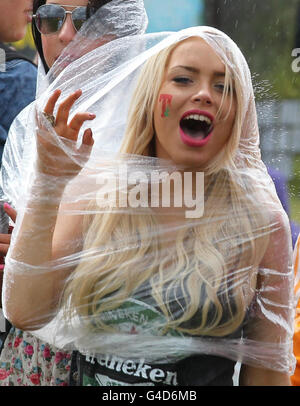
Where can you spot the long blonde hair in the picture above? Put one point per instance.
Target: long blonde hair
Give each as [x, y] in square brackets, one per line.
[203, 276]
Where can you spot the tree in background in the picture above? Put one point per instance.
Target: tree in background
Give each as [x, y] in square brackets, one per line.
[267, 32]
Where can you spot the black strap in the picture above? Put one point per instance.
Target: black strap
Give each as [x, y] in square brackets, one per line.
[11, 54]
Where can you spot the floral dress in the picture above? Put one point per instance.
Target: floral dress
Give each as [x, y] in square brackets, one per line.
[27, 361]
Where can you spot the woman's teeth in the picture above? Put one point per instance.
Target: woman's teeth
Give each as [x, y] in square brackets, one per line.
[196, 125]
[199, 117]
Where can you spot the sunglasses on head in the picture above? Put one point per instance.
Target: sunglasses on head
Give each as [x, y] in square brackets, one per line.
[50, 18]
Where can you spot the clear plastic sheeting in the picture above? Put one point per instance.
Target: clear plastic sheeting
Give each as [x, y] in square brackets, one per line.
[116, 252]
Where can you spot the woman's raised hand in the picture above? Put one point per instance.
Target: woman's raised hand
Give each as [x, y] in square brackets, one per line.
[52, 160]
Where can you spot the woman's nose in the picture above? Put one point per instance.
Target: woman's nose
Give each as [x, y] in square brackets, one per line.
[67, 32]
[203, 96]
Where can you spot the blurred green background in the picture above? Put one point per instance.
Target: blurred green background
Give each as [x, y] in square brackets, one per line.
[267, 31]
[294, 187]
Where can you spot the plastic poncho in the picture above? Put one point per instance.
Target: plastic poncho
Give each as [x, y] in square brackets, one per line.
[98, 265]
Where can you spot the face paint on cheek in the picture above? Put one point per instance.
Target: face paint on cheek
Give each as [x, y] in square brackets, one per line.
[166, 100]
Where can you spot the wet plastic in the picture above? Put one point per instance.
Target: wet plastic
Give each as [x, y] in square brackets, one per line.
[97, 263]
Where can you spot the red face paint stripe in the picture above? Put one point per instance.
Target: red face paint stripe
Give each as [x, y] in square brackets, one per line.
[166, 100]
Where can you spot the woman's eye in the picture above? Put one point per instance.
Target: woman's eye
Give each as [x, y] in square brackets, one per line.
[182, 80]
[220, 87]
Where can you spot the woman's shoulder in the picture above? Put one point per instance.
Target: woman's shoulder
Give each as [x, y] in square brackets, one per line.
[279, 251]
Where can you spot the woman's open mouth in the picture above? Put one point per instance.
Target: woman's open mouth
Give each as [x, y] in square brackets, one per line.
[196, 127]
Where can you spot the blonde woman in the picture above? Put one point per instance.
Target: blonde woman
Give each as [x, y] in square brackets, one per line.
[149, 295]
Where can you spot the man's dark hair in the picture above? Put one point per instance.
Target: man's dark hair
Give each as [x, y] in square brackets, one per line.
[36, 34]
[94, 5]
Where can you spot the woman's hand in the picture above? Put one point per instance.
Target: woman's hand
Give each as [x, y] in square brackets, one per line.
[5, 238]
[5, 242]
[32, 299]
[52, 160]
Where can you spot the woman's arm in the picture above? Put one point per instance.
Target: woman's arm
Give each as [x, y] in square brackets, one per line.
[251, 376]
[272, 324]
[32, 285]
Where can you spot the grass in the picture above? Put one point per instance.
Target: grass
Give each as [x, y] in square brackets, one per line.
[294, 191]
[295, 209]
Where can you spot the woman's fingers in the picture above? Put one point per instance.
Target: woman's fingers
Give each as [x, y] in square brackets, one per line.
[4, 249]
[65, 107]
[4, 243]
[72, 129]
[10, 211]
[87, 138]
[49, 108]
[5, 238]
[78, 120]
